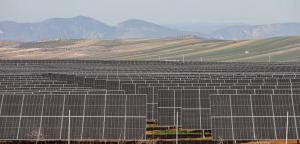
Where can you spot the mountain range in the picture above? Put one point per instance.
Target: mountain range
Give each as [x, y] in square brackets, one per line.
[82, 27]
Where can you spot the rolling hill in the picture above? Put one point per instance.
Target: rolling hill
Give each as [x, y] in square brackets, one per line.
[187, 48]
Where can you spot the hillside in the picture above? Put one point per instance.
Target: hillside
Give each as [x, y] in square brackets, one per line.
[191, 48]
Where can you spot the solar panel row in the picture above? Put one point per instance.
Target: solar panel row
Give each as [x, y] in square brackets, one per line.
[244, 117]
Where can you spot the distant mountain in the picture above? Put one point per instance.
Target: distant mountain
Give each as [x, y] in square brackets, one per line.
[77, 27]
[203, 27]
[242, 31]
[137, 28]
[257, 32]
[81, 27]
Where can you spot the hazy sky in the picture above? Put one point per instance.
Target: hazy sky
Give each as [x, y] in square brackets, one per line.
[158, 11]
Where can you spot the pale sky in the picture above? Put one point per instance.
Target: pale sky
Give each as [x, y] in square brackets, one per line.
[158, 11]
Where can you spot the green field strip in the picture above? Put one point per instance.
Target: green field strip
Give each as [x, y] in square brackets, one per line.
[254, 49]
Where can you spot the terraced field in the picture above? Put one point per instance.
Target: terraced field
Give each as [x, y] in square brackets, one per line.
[187, 48]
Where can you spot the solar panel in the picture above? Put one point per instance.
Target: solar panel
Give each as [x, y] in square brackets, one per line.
[129, 88]
[246, 117]
[195, 112]
[169, 103]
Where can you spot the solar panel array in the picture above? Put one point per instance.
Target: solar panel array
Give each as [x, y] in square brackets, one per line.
[40, 110]
[112, 100]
